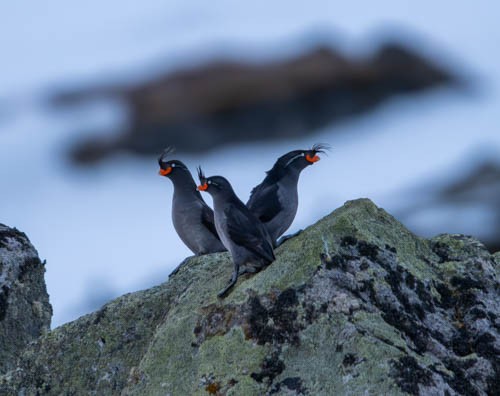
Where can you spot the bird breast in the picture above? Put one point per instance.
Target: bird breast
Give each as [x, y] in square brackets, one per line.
[221, 227]
[289, 200]
[186, 217]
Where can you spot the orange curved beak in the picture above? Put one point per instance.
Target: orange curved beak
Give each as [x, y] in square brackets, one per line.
[203, 187]
[165, 172]
[313, 159]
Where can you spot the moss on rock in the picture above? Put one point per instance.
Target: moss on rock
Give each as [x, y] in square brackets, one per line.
[356, 304]
[25, 311]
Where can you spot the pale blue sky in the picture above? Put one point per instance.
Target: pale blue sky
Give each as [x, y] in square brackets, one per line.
[108, 231]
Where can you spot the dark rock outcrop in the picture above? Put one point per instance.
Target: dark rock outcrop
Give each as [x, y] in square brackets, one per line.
[230, 101]
[25, 311]
[356, 304]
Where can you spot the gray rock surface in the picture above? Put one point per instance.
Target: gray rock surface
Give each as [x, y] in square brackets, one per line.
[25, 311]
[354, 305]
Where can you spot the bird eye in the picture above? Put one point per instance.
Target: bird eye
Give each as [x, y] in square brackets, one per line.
[209, 181]
[173, 165]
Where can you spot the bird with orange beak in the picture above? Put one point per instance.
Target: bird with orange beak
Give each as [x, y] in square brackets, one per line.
[193, 219]
[275, 201]
[240, 231]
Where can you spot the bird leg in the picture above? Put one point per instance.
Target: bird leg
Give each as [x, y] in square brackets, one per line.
[285, 238]
[232, 282]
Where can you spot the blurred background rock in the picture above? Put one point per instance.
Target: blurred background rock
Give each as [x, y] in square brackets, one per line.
[407, 95]
[224, 102]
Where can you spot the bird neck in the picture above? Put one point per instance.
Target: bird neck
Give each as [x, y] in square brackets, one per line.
[292, 174]
[222, 197]
[288, 174]
[184, 185]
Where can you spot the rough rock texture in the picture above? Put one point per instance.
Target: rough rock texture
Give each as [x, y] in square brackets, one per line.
[25, 311]
[227, 101]
[354, 305]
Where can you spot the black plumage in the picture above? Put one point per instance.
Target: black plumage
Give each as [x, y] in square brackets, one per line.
[193, 219]
[275, 200]
[240, 231]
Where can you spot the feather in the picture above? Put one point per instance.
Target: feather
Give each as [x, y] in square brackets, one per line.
[207, 219]
[201, 175]
[247, 231]
[166, 152]
[321, 148]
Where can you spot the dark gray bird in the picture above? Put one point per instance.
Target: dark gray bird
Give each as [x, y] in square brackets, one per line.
[240, 231]
[192, 217]
[275, 200]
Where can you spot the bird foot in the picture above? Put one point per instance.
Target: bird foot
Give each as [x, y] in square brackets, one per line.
[285, 238]
[223, 293]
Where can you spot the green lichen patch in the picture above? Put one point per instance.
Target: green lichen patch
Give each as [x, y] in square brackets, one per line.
[355, 304]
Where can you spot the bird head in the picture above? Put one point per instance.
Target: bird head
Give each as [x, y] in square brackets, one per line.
[297, 160]
[167, 167]
[311, 155]
[213, 185]
[303, 157]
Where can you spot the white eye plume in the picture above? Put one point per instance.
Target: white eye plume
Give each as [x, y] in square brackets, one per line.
[294, 158]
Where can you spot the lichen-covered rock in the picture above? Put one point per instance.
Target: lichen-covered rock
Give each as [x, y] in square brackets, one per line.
[25, 311]
[356, 304]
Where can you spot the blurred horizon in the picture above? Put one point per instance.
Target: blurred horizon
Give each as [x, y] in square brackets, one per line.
[412, 126]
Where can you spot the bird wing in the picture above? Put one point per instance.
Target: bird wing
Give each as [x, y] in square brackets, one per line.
[207, 219]
[246, 230]
[264, 202]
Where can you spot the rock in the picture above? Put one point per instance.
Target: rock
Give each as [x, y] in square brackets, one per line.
[356, 304]
[25, 311]
[228, 101]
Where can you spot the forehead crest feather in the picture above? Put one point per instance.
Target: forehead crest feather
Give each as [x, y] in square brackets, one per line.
[164, 154]
[201, 175]
[320, 148]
